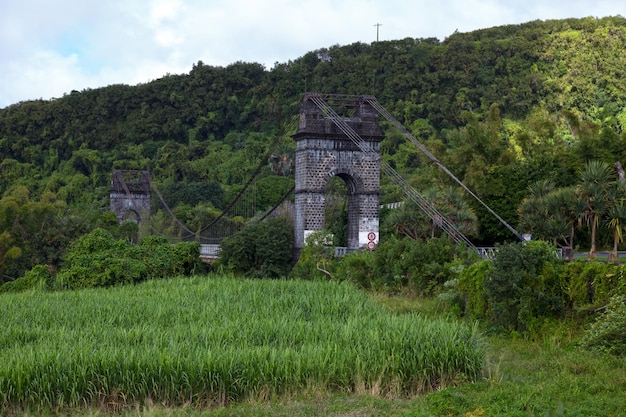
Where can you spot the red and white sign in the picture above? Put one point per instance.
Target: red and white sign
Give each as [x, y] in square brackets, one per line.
[371, 237]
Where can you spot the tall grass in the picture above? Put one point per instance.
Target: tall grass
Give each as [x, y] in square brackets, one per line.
[207, 340]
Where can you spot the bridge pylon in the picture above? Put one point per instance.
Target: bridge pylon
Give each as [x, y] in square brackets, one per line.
[130, 195]
[323, 151]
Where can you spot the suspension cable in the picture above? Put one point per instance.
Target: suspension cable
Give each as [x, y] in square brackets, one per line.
[411, 192]
[382, 111]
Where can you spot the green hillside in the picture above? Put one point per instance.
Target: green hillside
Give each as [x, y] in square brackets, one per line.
[501, 107]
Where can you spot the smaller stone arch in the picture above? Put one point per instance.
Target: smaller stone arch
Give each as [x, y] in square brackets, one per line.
[132, 216]
[130, 195]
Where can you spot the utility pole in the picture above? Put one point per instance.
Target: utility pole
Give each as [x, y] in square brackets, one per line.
[378, 25]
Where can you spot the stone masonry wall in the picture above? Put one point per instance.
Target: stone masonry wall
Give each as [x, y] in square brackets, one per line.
[324, 151]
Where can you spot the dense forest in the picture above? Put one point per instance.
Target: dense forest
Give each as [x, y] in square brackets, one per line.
[503, 108]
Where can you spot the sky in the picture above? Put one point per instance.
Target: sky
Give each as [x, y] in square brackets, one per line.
[49, 48]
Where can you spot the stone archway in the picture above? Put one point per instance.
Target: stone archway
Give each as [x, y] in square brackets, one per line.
[130, 195]
[324, 151]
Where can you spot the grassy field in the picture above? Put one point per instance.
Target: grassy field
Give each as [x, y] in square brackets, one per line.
[547, 377]
[207, 342]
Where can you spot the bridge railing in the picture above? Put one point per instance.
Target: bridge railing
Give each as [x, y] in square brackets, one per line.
[212, 251]
[209, 251]
[490, 252]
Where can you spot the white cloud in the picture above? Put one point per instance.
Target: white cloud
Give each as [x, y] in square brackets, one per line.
[50, 48]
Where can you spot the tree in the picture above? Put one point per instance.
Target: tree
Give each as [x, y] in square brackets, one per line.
[409, 220]
[565, 202]
[550, 213]
[262, 250]
[596, 180]
[616, 217]
[523, 285]
[7, 250]
[534, 211]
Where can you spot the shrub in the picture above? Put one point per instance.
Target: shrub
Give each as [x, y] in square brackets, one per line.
[524, 285]
[38, 277]
[185, 258]
[423, 265]
[99, 260]
[391, 262]
[261, 250]
[471, 286]
[591, 284]
[102, 269]
[358, 268]
[314, 257]
[607, 332]
[581, 276]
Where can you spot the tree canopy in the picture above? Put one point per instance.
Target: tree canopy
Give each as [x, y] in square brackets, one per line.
[502, 107]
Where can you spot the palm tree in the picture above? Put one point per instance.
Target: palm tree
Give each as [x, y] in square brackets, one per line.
[566, 205]
[596, 180]
[616, 217]
[533, 211]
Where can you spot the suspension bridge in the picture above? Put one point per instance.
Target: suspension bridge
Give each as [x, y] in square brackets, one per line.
[128, 194]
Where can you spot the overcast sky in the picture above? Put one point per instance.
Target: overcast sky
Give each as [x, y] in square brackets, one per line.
[48, 48]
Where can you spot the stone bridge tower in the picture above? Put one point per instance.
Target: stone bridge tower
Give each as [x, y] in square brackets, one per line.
[323, 150]
[130, 195]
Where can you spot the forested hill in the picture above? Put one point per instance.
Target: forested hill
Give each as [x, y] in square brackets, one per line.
[502, 107]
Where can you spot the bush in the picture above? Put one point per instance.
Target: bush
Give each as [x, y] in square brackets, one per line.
[580, 282]
[471, 285]
[98, 259]
[608, 332]
[101, 269]
[591, 284]
[163, 259]
[423, 265]
[261, 250]
[316, 260]
[358, 268]
[38, 277]
[524, 285]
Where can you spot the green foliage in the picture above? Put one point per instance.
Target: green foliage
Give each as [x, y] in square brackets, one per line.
[424, 266]
[316, 260]
[607, 332]
[36, 231]
[524, 285]
[164, 260]
[192, 193]
[98, 259]
[409, 220]
[262, 250]
[471, 285]
[39, 277]
[590, 285]
[271, 189]
[358, 268]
